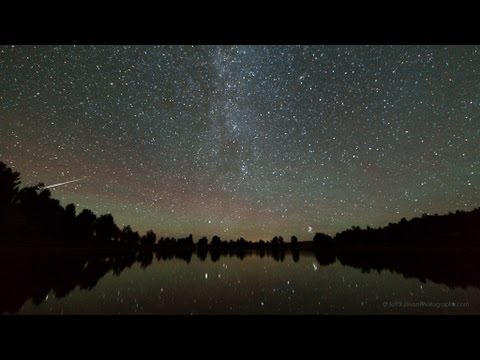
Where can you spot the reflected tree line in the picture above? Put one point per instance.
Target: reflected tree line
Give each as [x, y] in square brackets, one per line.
[79, 249]
[34, 276]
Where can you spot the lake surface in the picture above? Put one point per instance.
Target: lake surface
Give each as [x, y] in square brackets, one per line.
[61, 284]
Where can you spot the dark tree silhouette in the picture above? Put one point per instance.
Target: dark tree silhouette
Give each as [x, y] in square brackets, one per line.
[216, 242]
[30, 214]
[275, 242]
[70, 211]
[321, 240]
[9, 186]
[202, 248]
[459, 229]
[105, 229]
[129, 237]
[149, 239]
[85, 224]
[294, 241]
[69, 222]
[202, 243]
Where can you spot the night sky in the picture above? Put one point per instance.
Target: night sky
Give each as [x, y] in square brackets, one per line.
[251, 141]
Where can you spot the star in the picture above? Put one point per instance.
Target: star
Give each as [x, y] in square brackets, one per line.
[260, 139]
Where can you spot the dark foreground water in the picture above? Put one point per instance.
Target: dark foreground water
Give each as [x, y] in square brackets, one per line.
[245, 284]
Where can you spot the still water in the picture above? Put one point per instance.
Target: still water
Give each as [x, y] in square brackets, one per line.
[229, 285]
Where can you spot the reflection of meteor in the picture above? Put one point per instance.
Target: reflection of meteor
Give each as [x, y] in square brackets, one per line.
[63, 183]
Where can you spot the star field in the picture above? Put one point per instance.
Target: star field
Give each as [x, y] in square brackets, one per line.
[251, 141]
[259, 286]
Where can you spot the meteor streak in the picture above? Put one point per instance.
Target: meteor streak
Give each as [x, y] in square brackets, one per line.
[63, 183]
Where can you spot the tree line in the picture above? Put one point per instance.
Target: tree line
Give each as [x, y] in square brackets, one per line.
[30, 215]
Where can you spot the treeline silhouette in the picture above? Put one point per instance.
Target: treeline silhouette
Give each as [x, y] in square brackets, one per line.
[63, 250]
[459, 229]
[31, 216]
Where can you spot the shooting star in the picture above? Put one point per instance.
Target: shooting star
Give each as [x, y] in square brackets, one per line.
[64, 183]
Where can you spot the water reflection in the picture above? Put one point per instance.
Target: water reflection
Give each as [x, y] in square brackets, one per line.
[25, 276]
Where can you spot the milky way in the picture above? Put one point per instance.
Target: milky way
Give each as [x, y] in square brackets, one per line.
[251, 141]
